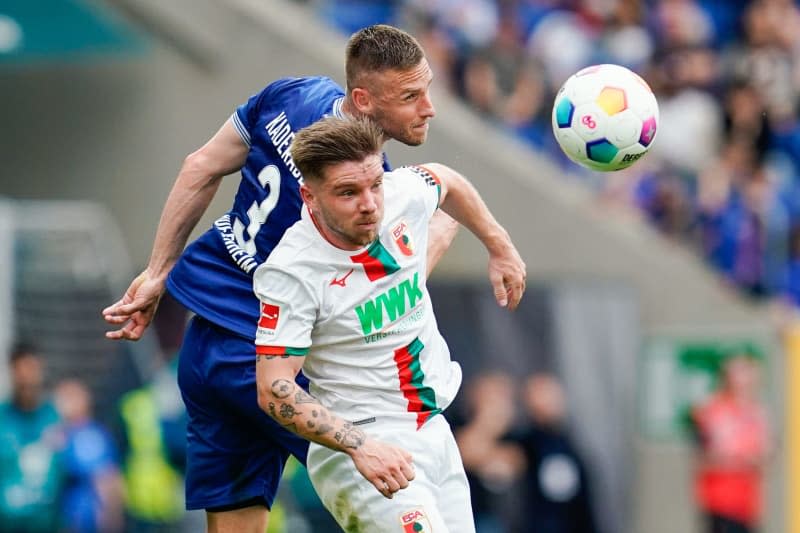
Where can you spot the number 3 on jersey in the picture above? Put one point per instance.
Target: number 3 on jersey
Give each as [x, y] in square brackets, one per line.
[258, 212]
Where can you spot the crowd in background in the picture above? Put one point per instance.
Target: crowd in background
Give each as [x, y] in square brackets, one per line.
[63, 470]
[723, 177]
[724, 173]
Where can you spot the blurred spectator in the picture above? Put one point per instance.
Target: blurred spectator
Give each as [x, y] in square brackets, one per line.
[154, 419]
[92, 500]
[153, 483]
[492, 465]
[733, 444]
[30, 471]
[557, 496]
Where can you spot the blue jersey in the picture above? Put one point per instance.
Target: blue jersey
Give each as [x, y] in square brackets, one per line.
[213, 277]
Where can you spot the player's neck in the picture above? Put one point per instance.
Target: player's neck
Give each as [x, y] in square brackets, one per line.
[348, 109]
[331, 236]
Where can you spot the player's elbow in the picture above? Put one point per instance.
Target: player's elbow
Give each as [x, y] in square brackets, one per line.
[204, 166]
[266, 400]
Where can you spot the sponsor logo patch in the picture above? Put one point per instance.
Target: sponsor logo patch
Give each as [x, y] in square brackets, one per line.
[415, 521]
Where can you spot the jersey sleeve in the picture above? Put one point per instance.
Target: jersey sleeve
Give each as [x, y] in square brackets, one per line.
[288, 312]
[245, 117]
[425, 185]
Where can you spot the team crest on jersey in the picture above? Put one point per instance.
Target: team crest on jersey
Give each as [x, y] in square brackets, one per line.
[269, 317]
[415, 521]
[402, 237]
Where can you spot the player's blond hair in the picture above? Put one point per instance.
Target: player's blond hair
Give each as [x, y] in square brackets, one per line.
[334, 140]
[377, 48]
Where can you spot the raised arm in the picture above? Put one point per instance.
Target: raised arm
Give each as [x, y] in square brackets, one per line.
[194, 188]
[461, 200]
[441, 232]
[387, 467]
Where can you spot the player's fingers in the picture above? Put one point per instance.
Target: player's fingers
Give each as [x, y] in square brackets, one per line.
[408, 474]
[133, 330]
[499, 287]
[395, 482]
[515, 293]
[114, 335]
[383, 488]
[131, 308]
[116, 319]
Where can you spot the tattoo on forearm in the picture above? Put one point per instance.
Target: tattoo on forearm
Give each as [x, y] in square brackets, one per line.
[304, 397]
[320, 423]
[323, 428]
[262, 357]
[349, 436]
[282, 388]
[288, 411]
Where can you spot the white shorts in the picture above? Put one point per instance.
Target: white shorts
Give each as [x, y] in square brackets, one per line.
[437, 499]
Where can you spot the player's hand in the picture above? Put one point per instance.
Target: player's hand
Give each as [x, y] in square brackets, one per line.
[507, 273]
[136, 308]
[388, 467]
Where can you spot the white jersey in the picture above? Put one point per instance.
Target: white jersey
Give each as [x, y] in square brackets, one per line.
[363, 319]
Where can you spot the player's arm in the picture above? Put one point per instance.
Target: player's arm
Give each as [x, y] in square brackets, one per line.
[194, 188]
[387, 467]
[441, 232]
[459, 199]
[283, 335]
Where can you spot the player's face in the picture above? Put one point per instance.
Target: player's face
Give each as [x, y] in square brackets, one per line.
[401, 103]
[348, 204]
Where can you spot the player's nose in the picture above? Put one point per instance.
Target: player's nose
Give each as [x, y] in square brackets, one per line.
[368, 202]
[427, 108]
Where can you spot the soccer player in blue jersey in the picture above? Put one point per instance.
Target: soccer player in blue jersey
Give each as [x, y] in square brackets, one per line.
[236, 452]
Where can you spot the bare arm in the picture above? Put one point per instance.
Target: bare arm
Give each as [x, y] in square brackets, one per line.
[461, 200]
[194, 188]
[441, 232]
[387, 467]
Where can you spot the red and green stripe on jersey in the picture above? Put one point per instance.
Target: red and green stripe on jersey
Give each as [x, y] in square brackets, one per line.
[283, 351]
[421, 398]
[377, 261]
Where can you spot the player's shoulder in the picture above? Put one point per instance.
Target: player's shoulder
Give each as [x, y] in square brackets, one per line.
[421, 172]
[302, 89]
[409, 178]
[297, 249]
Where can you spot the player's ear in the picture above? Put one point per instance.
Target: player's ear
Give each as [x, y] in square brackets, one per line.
[307, 195]
[362, 100]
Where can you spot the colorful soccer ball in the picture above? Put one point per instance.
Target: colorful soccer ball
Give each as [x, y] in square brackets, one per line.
[605, 117]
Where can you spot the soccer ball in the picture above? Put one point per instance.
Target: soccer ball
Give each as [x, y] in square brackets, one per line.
[605, 117]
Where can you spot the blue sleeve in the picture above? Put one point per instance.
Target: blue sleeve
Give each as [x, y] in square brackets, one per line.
[246, 115]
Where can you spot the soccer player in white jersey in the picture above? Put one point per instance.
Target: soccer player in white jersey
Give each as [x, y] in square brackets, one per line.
[343, 297]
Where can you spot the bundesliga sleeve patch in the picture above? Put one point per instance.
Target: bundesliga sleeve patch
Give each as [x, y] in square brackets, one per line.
[415, 521]
[269, 316]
